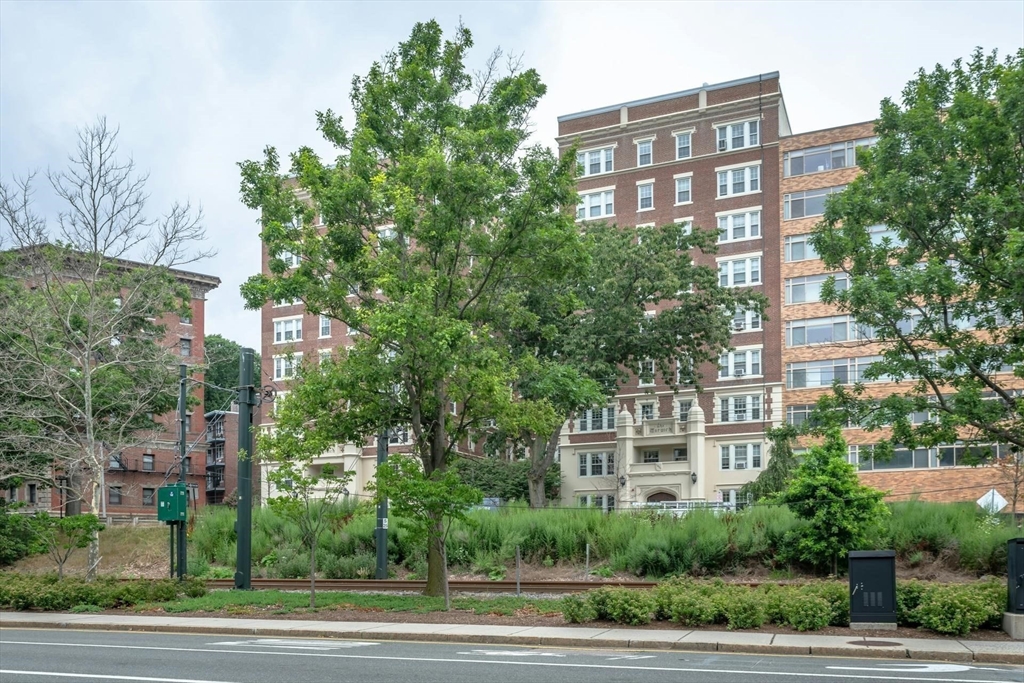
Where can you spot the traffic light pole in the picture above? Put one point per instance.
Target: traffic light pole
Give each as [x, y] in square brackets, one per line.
[382, 513]
[182, 446]
[243, 525]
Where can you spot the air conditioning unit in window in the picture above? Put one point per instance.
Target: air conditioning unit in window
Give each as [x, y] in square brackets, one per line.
[739, 373]
[722, 145]
[741, 465]
[739, 325]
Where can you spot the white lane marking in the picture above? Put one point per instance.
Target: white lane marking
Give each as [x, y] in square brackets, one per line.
[440, 660]
[510, 653]
[612, 659]
[299, 644]
[917, 668]
[107, 677]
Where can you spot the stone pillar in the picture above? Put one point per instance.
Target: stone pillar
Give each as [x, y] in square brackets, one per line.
[625, 431]
[696, 439]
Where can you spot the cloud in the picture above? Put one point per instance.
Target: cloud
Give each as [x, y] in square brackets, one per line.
[198, 87]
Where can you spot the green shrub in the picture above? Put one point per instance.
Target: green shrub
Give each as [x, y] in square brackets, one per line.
[958, 609]
[82, 609]
[806, 612]
[744, 609]
[17, 538]
[908, 598]
[577, 609]
[23, 592]
[352, 567]
[632, 607]
[693, 609]
[836, 593]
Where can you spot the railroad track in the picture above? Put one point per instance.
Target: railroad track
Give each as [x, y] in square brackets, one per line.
[461, 586]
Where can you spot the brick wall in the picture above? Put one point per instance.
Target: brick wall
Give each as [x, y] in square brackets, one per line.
[943, 485]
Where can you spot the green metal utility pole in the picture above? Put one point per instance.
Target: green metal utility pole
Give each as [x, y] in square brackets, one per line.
[382, 512]
[182, 446]
[243, 525]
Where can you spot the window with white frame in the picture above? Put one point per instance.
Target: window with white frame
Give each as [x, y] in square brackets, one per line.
[807, 203]
[323, 355]
[799, 248]
[651, 456]
[824, 158]
[288, 330]
[680, 455]
[646, 411]
[596, 464]
[686, 228]
[683, 185]
[595, 161]
[285, 367]
[596, 205]
[823, 373]
[683, 407]
[644, 152]
[398, 436]
[741, 225]
[739, 272]
[838, 328]
[796, 415]
[807, 289]
[740, 456]
[290, 260]
[287, 302]
[738, 181]
[596, 420]
[646, 373]
[278, 404]
[602, 501]
[746, 320]
[683, 147]
[645, 197]
[738, 135]
[325, 326]
[879, 233]
[739, 363]
[740, 408]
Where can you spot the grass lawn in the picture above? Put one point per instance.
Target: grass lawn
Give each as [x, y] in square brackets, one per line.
[288, 601]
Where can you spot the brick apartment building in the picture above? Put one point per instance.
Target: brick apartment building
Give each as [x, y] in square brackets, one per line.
[822, 345]
[132, 477]
[707, 157]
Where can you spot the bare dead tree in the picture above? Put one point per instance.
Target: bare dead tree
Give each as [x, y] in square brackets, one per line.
[84, 366]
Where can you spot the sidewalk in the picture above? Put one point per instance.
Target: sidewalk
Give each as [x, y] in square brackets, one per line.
[943, 649]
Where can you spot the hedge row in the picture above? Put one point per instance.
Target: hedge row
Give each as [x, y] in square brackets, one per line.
[945, 608]
[45, 592]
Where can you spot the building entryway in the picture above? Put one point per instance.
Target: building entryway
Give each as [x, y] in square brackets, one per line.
[661, 497]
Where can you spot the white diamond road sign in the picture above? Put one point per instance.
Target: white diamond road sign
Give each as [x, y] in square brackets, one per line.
[992, 502]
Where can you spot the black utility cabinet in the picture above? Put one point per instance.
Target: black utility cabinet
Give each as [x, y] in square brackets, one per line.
[1015, 575]
[873, 586]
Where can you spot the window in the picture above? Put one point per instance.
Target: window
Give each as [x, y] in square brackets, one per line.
[287, 302]
[646, 374]
[645, 197]
[684, 409]
[738, 135]
[594, 162]
[290, 260]
[824, 158]
[879, 233]
[800, 290]
[187, 462]
[799, 248]
[683, 149]
[353, 331]
[651, 456]
[739, 364]
[114, 495]
[597, 420]
[148, 462]
[596, 205]
[809, 203]
[680, 455]
[188, 423]
[740, 456]
[185, 347]
[746, 321]
[187, 318]
[740, 272]
[596, 464]
[646, 411]
[285, 367]
[147, 497]
[325, 326]
[115, 462]
[822, 373]
[839, 328]
[323, 355]
[740, 408]
[683, 195]
[644, 155]
[799, 414]
[398, 436]
[32, 494]
[605, 501]
[386, 232]
[288, 330]
[739, 181]
[739, 226]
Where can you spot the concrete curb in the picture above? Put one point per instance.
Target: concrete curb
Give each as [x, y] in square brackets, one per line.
[948, 651]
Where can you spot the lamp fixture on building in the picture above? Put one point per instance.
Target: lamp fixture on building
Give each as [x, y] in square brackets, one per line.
[622, 481]
[693, 477]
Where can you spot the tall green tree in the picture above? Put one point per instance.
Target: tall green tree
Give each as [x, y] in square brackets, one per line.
[932, 235]
[432, 223]
[826, 491]
[221, 370]
[782, 463]
[594, 331]
[83, 359]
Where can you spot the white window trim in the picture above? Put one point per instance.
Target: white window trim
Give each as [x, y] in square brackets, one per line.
[740, 391]
[687, 219]
[748, 314]
[599, 148]
[296, 359]
[675, 188]
[731, 445]
[744, 350]
[644, 138]
[746, 134]
[736, 212]
[737, 257]
[649, 181]
[274, 322]
[595, 148]
[682, 131]
[675, 142]
[588, 192]
[639, 184]
[639, 374]
[730, 212]
[637, 142]
[320, 327]
[746, 182]
[732, 167]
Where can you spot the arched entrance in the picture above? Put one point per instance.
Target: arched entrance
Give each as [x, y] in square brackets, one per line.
[661, 497]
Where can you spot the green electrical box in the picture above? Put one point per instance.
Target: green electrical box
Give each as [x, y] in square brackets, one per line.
[172, 502]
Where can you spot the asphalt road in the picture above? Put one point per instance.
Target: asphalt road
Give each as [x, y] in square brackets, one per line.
[38, 656]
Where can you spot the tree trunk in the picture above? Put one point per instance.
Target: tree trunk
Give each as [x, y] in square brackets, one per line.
[94, 544]
[437, 572]
[542, 456]
[312, 574]
[538, 499]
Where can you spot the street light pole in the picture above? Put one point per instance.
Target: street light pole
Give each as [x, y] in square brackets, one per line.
[243, 524]
[382, 512]
[182, 445]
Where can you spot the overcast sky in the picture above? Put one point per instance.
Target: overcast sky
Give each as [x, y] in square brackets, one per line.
[198, 87]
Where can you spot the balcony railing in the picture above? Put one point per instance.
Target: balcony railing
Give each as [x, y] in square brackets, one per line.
[661, 467]
[679, 508]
